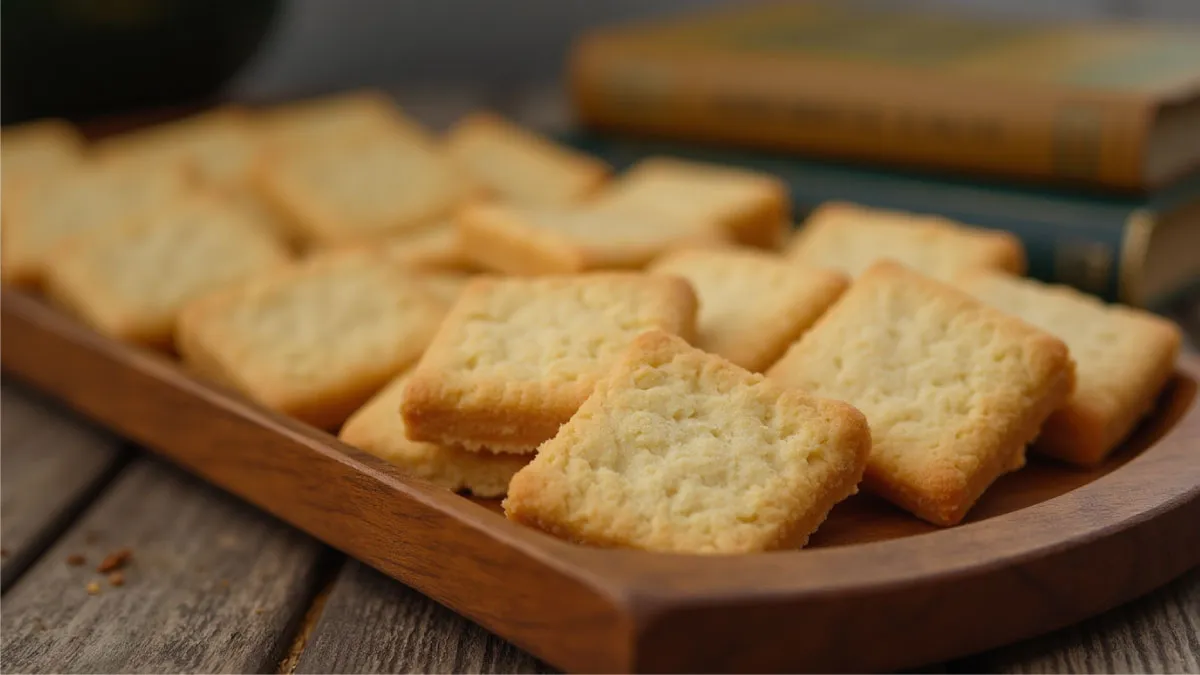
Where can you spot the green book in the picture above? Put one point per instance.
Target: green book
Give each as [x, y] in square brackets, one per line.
[1142, 251]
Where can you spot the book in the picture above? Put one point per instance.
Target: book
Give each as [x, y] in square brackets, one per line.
[1108, 104]
[1140, 250]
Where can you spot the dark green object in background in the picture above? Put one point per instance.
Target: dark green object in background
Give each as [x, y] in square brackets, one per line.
[1081, 239]
[85, 58]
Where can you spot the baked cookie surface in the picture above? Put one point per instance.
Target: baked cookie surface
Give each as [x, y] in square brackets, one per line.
[851, 238]
[313, 341]
[679, 450]
[379, 429]
[1123, 358]
[515, 358]
[953, 389]
[132, 282]
[753, 304]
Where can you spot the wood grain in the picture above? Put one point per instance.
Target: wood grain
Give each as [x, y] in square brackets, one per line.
[1156, 634]
[374, 624]
[1029, 565]
[52, 464]
[213, 584]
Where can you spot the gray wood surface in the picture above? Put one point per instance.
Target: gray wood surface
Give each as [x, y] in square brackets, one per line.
[52, 464]
[213, 585]
[1159, 633]
[373, 624]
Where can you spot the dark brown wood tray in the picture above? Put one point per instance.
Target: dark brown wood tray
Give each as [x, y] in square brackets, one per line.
[876, 590]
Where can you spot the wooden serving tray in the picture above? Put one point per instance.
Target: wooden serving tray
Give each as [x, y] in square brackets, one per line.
[876, 589]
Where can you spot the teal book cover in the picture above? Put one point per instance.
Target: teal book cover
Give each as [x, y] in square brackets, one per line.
[1139, 250]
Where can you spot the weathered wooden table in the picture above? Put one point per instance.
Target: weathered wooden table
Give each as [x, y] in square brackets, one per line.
[213, 585]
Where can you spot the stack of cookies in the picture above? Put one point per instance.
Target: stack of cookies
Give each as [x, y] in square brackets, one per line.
[634, 361]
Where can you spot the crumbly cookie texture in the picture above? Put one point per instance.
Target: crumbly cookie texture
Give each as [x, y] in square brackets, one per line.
[679, 450]
[953, 389]
[515, 358]
[1123, 358]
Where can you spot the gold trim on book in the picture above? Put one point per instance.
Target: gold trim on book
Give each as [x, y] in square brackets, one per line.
[1135, 245]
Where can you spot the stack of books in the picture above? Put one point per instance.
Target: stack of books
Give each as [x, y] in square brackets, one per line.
[1081, 138]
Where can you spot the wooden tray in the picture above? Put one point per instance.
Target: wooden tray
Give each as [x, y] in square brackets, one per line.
[876, 590]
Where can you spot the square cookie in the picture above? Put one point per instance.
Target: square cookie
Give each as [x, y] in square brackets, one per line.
[219, 146]
[132, 282]
[364, 188]
[753, 304]
[41, 216]
[516, 165]
[37, 149]
[313, 341]
[754, 208]
[335, 118]
[1123, 357]
[515, 358]
[852, 238]
[681, 451]
[379, 429]
[531, 241]
[953, 389]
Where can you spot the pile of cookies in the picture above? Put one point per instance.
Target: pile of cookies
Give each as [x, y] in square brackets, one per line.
[644, 360]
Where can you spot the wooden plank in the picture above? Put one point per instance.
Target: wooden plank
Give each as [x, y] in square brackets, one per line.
[371, 623]
[213, 585]
[52, 465]
[1156, 634]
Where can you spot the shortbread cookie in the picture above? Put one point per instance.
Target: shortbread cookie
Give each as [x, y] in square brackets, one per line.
[953, 389]
[37, 149]
[515, 358]
[753, 304]
[132, 282]
[220, 146]
[378, 428]
[336, 118]
[363, 188]
[1123, 357]
[517, 165]
[681, 451]
[851, 238]
[313, 341]
[41, 216]
[531, 241]
[754, 208]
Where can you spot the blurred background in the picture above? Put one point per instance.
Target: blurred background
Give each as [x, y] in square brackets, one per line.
[94, 56]
[317, 44]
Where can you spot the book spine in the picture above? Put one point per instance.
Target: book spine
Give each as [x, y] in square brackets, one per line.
[1090, 243]
[848, 110]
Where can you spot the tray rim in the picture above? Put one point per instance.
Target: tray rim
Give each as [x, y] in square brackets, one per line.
[635, 604]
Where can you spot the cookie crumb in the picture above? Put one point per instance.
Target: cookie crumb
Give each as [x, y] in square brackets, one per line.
[93, 588]
[116, 579]
[114, 561]
[75, 560]
[224, 583]
[259, 610]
